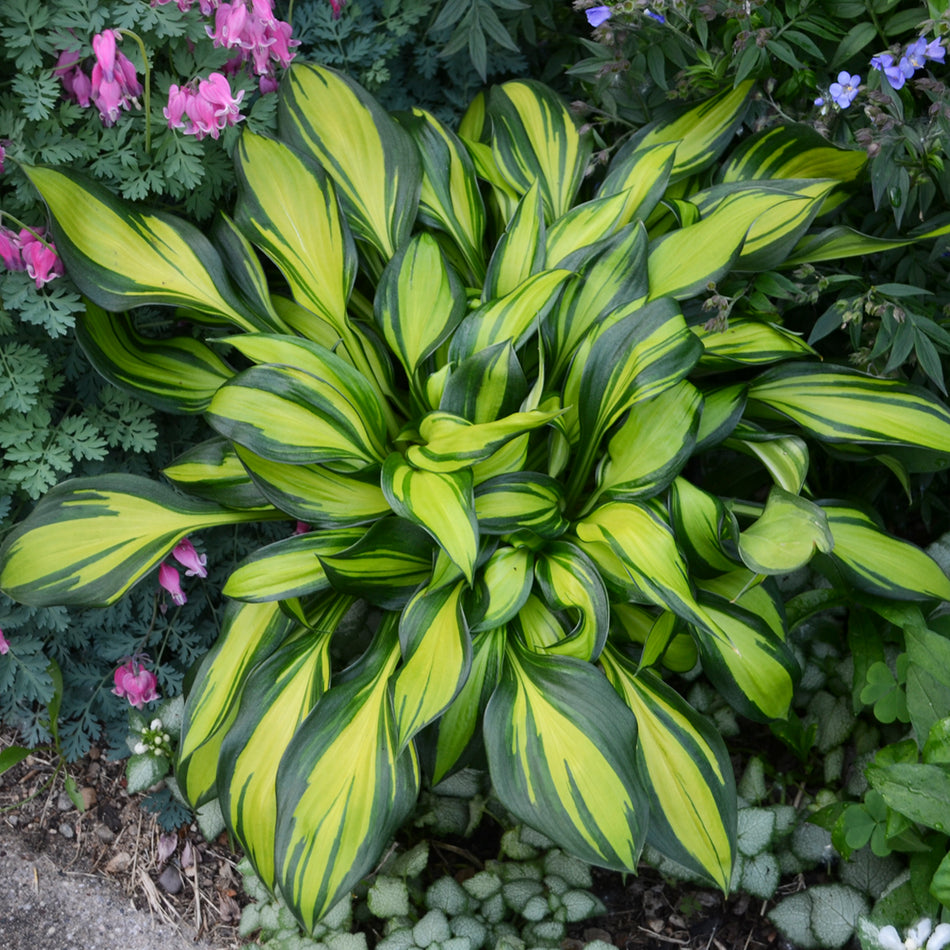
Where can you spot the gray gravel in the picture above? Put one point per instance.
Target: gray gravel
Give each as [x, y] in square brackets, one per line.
[47, 907]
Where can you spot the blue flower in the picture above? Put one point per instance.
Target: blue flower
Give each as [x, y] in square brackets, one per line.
[845, 89]
[598, 15]
[935, 51]
[655, 16]
[896, 75]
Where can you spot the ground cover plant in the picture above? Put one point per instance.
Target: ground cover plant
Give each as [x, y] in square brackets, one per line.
[496, 410]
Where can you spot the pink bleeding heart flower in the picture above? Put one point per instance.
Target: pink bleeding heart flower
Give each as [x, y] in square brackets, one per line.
[186, 555]
[40, 259]
[114, 83]
[135, 683]
[10, 250]
[4, 646]
[170, 580]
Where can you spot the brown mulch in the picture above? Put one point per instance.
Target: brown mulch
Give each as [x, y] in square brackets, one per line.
[198, 884]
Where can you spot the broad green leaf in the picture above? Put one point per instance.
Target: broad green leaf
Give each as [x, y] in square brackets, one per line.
[249, 634]
[485, 386]
[839, 242]
[641, 178]
[880, 564]
[176, 374]
[786, 535]
[836, 404]
[689, 776]
[651, 445]
[373, 162]
[212, 470]
[521, 500]
[288, 568]
[440, 502]
[90, 539]
[758, 594]
[570, 584]
[419, 301]
[502, 586]
[315, 493]
[343, 787]
[13, 755]
[749, 663]
[385, 566]
[534, 139]
[706, 529]
[449, 198]
[918, 791]
[785, 456]
[121, 257]
[287, 208]
[276, 697]
[437, 654]
[288, 415]
[561, 751]
[573, 238]
[457, 734]
[519, 252]
[722, 410]
[749, 343]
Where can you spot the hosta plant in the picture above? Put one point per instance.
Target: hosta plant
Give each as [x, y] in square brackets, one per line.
[493, 403]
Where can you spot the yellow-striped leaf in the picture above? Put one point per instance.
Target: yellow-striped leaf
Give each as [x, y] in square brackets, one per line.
[343, 787]
[722, 410]
[573, 238]
[277, 696]
[879, 563]
[785, 456]
[372, 160]
[641, 179]
[212, 470]
[249, 634]
[501, 588]
[121, 257]
[437, 654]
[749, 343]
[705, 528]
[485, 386]
[561, 751]
[519, 252]
[521, 500]
[534, 139]
[786, 535]
[440, 502]
[90, 539]
[177, 374]
[758, 594]
[288, 208]
[836, 404]
[288, 568]
[690, 783]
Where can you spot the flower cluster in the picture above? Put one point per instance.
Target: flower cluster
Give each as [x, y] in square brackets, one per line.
[29, 250]
[917, 56]
[194, 564]
[135, 683]
[112, 85]
[842, 92]
[203, 107]
[155, 740]
[922, 936]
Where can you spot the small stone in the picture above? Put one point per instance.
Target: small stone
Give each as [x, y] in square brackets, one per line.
[105, 834]
[119, 862]
[170, 879]
[66, 830]
[89, 796]
[64, 802]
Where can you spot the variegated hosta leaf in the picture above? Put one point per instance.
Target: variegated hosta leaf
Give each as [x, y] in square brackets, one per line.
[212, 470]
[455, 737]
[839, 242]
[519, 252]
[570, 583]
[502, 197]
[522, 500]
[249, 634]
[785, 456]
[372, 160]
[836, 404]
[287, 208]
[451, 443]
[705, 528]
[786, 535]
[485, 386]
[90, 539]
[700, 134]
[437, 654]
[758, 594]
[288, 415]
[652, 444]
[121, 257]
[440, 502]
[178, 374]
[749, 343]
[640, 180]
[534, 139]
[692, 790]
[611, 278]
[722, 410]
[419, 301]
[561, 751]
[276, 697]
[574, 238]
[513, 317]
[315, 493]
[879, 563]
[750, 665]
[502, 586]
[288, 568]
[385, 566]
[449, 199]
[344, 785]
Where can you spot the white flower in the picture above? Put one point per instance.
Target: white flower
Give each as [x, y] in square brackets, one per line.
[156, 724]
[921, 936]
[140, 748]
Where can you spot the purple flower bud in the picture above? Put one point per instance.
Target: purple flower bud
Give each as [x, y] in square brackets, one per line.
[170, 579]
[598, 15]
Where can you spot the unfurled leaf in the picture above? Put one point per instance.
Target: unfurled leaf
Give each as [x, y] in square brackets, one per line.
[786, 535]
